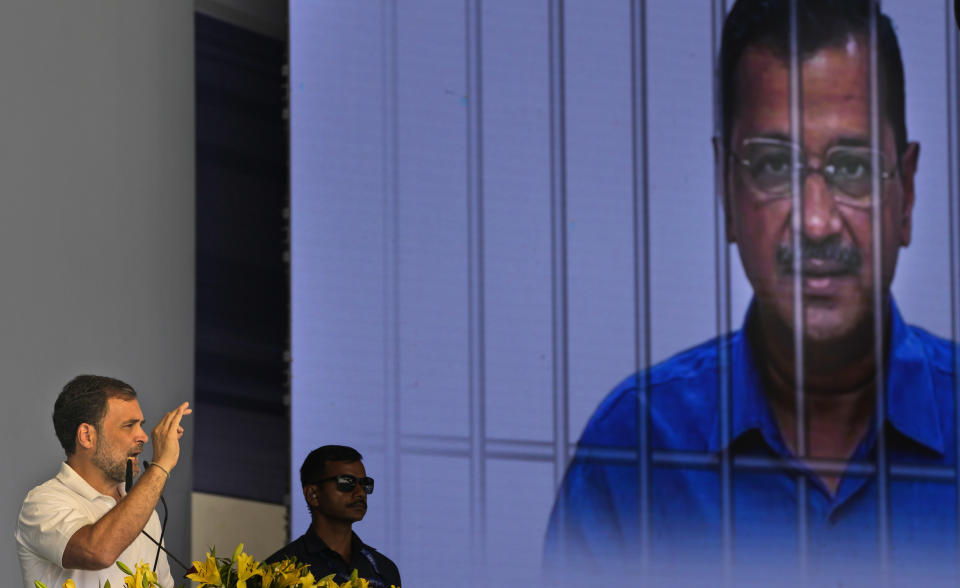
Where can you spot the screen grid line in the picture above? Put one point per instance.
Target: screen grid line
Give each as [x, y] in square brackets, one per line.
[797, 228]
[641, 273]
[391, 269]
[475, 271]
[722, 304]
[879, 307]
[953, 166]
[544, 452]
[558, 240]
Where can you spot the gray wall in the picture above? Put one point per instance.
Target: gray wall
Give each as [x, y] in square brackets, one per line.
[96, 225]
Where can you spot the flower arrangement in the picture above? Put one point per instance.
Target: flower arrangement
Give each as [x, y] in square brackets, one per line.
[239, 571]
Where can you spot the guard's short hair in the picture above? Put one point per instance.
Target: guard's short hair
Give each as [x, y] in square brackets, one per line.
[820, 24]
[314, 466]
[84, 400]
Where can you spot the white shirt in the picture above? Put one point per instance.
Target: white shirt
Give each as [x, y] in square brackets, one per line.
[52, 512]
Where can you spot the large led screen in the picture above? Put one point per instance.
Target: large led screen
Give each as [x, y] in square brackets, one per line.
[502, 209]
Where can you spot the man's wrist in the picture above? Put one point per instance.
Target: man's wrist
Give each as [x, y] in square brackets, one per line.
[165, 468]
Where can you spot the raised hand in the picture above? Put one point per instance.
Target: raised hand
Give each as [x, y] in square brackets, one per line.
[166, 437]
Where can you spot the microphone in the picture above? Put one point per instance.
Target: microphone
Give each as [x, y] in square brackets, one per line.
[128, 481]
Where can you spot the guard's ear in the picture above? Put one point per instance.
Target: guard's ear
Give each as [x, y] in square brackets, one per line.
[310, 494]
[86, 436]
[720, 173]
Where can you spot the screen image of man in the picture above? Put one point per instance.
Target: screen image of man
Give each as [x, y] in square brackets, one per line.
[336, 487]
[807, 183]
[78, 524]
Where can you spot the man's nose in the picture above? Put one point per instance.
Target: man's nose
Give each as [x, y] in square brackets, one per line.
[821, 218]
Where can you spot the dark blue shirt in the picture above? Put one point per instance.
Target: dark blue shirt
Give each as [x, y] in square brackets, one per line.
[370, 564]
[595, 524]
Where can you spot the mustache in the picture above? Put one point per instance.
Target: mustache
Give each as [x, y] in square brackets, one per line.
[844, 258]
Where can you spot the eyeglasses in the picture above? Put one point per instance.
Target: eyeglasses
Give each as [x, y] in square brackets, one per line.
[768, 168]
[346, 483]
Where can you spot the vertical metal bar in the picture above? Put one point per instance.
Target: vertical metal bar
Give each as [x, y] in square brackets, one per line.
[641, 260]
[876, 144]
[475, 295]
[722, 274]
[558, 214]
[953, 171]
[391, 280]
[796, 220]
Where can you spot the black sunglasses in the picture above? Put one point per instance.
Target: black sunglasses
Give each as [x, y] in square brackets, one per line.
[346, 483]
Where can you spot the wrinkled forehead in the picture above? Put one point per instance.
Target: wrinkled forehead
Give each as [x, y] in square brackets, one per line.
[120, 409]
[832, 95]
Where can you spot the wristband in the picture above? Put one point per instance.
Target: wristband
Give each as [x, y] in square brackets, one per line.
[161, 468]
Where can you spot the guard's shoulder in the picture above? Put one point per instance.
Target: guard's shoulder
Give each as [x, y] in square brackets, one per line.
[389, 570]
[295, 548]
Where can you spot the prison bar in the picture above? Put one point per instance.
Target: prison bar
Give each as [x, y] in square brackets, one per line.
[641, 260]
[558, 237]
[953, 166]
[475, 295]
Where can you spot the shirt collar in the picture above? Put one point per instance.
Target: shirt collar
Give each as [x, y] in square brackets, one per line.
[74, 481]
[911, 404]
[315, 544]
[750, 408]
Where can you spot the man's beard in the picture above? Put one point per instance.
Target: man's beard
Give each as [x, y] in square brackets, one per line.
[115, 469]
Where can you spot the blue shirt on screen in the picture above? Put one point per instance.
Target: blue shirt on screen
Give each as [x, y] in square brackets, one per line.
[595, 524]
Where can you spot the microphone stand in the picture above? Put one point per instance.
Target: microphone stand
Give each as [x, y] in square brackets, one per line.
[163, 526]
[160, 548]
[128, 484]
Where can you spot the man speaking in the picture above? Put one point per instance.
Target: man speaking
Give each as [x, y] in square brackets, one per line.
[80, 523]
[818, 186]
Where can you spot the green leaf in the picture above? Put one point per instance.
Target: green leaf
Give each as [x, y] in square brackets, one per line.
[39, 584]
[123, 568]
[107, 585]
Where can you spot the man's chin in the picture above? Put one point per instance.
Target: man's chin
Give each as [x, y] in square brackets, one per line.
[827, 324]
[825, 321]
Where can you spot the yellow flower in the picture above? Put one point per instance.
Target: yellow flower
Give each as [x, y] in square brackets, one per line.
[247, 567]
[307, 581]
[69, 584]
[143, 577]
[326, 582]
[206, 573]
[283, 574]
[287, 579]
[355, 581]
[271, 572]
